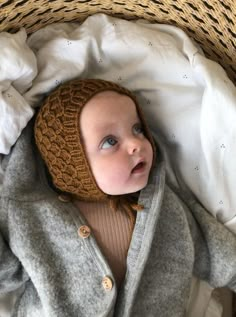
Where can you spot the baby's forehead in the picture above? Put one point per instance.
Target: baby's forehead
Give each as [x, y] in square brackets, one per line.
[108, 98]
[108, 105]
[108, 94]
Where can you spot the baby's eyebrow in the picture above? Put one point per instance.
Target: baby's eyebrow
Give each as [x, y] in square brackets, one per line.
[105, 128]
[102, 133]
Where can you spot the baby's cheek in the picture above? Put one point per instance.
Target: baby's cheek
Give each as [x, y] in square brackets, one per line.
[113, 182]
[111, 175]
[103, 174]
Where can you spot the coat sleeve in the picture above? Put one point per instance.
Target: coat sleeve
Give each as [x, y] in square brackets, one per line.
[20, 176]
[12, 274]
[215, 248]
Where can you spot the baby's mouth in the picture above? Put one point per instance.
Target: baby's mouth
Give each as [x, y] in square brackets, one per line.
[138, 168]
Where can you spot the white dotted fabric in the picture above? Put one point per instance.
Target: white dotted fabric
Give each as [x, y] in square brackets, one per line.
[189, 102]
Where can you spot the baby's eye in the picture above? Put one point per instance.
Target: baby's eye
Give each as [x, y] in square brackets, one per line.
[138, 128]
[109, 142]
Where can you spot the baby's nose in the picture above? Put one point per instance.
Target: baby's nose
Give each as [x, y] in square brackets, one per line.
[134, 145]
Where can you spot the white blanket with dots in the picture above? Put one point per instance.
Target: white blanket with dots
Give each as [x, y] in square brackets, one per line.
[189, 102]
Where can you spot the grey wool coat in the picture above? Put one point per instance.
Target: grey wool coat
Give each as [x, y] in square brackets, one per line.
[61, 273]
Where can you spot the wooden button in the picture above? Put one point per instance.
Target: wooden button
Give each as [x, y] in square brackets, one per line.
[64, 198]
[84, 231]
[107, 283]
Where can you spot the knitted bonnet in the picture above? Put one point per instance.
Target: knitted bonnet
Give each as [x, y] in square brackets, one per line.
[58, 136]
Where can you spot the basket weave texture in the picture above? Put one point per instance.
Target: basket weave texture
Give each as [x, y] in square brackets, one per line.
[212, 23]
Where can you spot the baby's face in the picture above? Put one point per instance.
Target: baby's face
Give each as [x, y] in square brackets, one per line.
[119, 154]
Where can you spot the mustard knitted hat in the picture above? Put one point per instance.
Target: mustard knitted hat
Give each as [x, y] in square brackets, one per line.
[58, 136]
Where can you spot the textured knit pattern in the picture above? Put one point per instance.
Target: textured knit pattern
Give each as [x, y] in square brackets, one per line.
[58, 136]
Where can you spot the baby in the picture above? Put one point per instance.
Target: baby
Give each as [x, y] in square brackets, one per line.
[93, 229]
[100, 149]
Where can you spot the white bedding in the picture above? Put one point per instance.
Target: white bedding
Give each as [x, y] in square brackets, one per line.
[189, 102]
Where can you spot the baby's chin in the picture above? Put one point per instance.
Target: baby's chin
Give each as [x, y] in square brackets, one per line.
[134, 190]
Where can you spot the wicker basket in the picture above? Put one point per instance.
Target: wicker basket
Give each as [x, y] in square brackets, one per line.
[212, 23]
